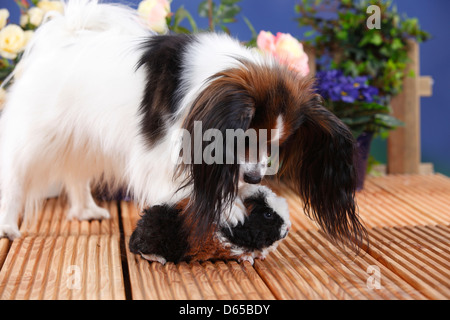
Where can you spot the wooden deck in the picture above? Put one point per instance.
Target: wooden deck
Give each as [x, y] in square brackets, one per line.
[409, 257]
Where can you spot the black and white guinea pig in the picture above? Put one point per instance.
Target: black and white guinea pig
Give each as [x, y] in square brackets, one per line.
[160, 236]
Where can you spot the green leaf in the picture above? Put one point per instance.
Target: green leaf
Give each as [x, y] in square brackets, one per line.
[376, 39]
[371, 37]
[178, 17]
[387, 121]
[230, 2]
[229, 12]
[225, 29]
[357, 120]
[309, 33]
[342, 35]
[180, 29]
[397, 44]
[250, 26]
[385, 51]
[203, 8]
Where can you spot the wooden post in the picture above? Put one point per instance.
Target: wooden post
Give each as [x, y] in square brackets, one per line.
[404, 143]
[311, 53]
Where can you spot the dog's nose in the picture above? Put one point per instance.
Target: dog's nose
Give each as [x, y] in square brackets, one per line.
[252, 179]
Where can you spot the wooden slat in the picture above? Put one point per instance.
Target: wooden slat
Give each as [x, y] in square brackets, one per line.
[407, 266]
[425, 86]
[408, 217]
[4, 248]
[50, 267]
[428, 195]
[51, 221]
[307, 266]
[397, 200]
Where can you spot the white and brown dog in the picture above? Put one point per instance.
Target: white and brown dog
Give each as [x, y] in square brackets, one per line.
[98, 98]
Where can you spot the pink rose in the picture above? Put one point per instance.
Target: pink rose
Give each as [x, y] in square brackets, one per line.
[286, 49]
[266, 41]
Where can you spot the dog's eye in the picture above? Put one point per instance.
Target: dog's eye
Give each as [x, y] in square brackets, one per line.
[268, 215]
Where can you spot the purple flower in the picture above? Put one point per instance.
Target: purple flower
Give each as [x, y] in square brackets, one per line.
[361, 82]
[334, 85]
[369, 93]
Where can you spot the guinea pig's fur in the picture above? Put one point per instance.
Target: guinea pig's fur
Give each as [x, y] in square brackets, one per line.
[160, 236]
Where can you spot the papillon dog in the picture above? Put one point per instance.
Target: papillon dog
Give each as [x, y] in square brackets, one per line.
[97, 97]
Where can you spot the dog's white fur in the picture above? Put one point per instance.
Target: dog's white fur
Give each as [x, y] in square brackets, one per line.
[72, 113]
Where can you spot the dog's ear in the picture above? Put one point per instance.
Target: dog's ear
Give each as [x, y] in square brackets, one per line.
[224, 104]
[318, 158]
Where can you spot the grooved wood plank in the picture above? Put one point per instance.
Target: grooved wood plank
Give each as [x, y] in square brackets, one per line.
[408, 217]
[60, 259]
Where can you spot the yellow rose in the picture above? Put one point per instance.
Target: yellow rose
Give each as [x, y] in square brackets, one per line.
[155, 13]
[24, 20]
[28, 35]
[35, 16]
[12, 41]
[2, 98]
[4, 15]
[47, 5]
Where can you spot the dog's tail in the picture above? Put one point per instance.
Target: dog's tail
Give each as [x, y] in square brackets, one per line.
[89, 15]
[81, 17]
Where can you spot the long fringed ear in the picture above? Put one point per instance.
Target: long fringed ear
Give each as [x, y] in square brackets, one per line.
[224, 104]
[318, 158]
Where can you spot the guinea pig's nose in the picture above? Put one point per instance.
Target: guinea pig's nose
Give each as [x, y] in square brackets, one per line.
[286, 233]
[252, 178]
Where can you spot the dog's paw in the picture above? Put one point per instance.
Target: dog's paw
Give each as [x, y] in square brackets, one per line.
[92, 213]
[154, 258]
[9, 231]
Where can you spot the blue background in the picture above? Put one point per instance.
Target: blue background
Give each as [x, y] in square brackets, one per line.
[278, 16]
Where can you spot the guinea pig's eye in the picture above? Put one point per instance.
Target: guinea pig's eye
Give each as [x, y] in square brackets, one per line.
[268, 215]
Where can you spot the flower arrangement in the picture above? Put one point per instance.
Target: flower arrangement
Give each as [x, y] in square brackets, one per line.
[357, 103]
[334, 85]
[380, 53]
[340, 33]
[14, 38]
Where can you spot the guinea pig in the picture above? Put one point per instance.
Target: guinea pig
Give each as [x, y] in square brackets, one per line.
[160, 236]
